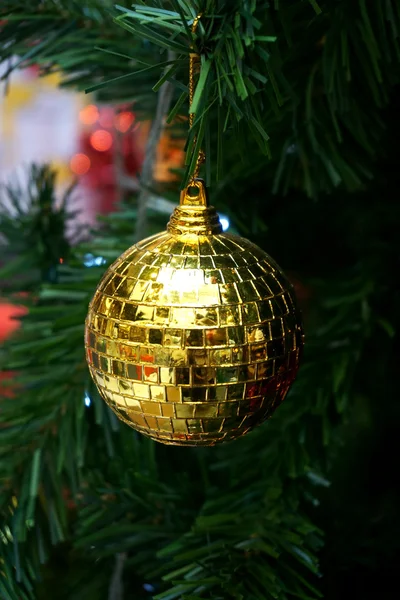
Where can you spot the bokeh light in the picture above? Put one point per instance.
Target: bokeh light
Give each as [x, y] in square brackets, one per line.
[80, 164]
[106, 118]
[89, 114]
[101, 140]
[90, 260]
[224, 222]
[124, 120]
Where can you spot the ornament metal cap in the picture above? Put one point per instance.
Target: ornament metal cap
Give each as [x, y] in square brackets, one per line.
[194, 215]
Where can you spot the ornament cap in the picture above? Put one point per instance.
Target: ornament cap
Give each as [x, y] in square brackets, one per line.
[195, 194]
[194, 215]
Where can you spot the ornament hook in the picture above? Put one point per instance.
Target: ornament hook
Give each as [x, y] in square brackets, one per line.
[193, 60]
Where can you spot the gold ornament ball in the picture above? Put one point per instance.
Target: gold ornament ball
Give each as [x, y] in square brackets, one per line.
[193, 336]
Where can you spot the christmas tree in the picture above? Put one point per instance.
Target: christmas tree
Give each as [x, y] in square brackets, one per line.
[295, 107]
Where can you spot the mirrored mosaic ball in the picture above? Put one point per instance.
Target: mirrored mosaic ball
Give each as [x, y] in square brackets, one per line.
[193, 339]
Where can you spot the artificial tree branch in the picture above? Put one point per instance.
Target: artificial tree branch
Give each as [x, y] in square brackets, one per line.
[157, 128]
[116, 589]
[124, 181]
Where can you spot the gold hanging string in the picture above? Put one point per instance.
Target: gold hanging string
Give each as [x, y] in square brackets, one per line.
[193, 61]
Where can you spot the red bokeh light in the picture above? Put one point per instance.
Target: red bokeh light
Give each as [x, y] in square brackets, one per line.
[124, 120]
[80, 164]
[101, 140]
[89, 114]
[106, 117]
[9, 318]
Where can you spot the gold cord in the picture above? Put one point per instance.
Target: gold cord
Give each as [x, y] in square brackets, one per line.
[193, 61]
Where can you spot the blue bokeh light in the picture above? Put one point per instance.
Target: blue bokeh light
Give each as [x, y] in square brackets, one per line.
[224, 222]
[93, 261]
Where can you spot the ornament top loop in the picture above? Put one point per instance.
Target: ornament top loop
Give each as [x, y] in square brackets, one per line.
[194, 215]
[195, 194]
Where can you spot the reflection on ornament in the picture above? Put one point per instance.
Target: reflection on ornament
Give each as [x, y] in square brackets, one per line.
[101, 140]
[193, 336]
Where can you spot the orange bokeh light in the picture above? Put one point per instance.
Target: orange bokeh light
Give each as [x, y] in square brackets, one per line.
[124, 120]
[80, 164]
[101, 140]
[89, 114]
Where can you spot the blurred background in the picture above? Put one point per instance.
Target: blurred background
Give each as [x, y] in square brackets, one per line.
[41, 122]
[325, 207]
[98, 148]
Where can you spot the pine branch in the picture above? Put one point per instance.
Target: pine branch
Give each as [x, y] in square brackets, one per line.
[33, 228]
[229, 74]
[189, 536]
[228, 523]
[79, 42]
[331, 80]
[116, 590]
